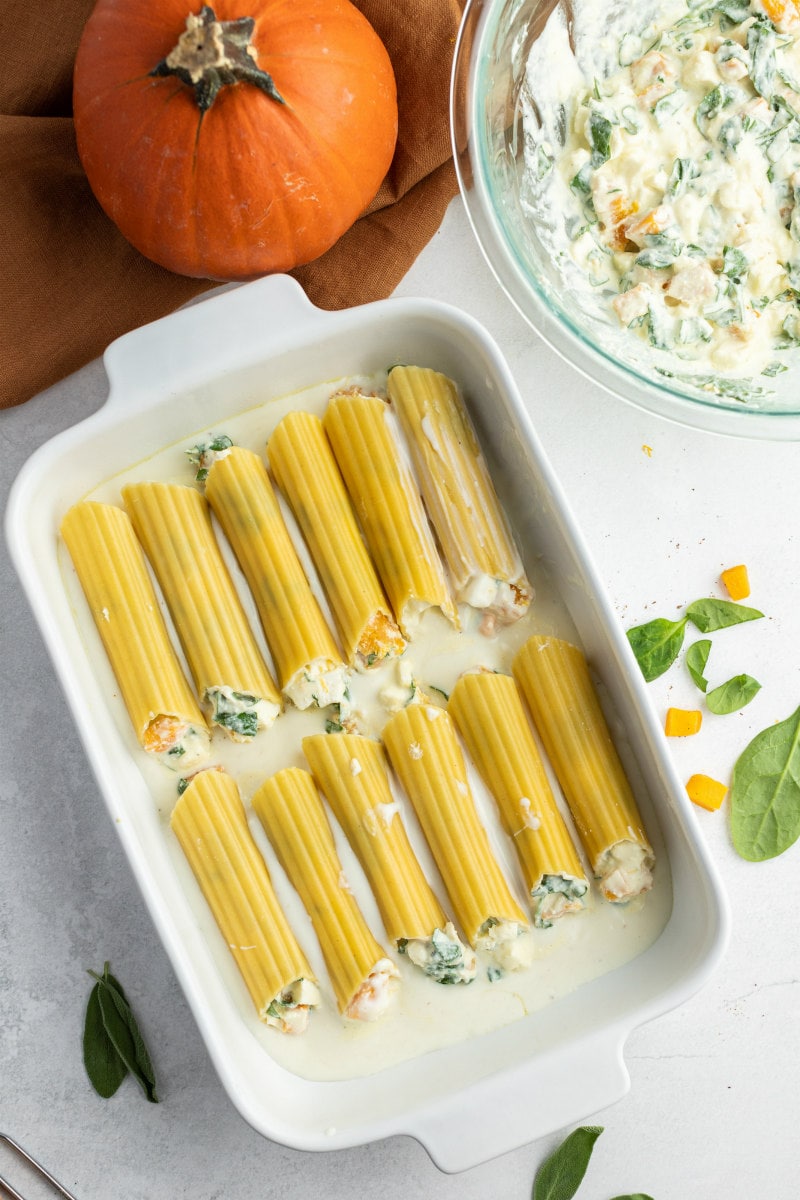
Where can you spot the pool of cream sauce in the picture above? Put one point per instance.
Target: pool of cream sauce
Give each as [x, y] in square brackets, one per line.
[426, 1015]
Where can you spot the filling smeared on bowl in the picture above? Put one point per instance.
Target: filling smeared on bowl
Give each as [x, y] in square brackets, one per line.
[678, 170]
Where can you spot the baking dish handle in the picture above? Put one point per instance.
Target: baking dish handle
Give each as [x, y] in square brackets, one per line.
[170, 353]
[510, 1109]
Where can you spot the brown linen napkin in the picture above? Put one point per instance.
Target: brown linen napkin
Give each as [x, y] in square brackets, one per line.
[70, 283]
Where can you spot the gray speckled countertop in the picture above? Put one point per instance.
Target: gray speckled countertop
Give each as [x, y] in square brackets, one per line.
[713, 1106]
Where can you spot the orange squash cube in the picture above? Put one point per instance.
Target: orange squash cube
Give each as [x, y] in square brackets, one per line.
[737, 582]
[682, 722]
[706, 792]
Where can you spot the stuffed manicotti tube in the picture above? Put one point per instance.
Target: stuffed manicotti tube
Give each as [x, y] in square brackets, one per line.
[112, 571]
[210, 823]
[554, 678]
[308, 664]
[424, 752]
[491, 719]
[352, 773]
[374, 463]
[478, 547]
[231, 677]
[302, 463]
[363, 977]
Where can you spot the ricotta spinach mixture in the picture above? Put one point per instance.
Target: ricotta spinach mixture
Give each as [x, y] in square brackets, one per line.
[686, 166]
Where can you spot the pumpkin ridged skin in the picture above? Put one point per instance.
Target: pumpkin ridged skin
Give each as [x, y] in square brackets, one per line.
[262, 186]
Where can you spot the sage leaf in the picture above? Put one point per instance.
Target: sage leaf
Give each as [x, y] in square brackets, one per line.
[656, 645]
[113, 982]
[560, 1175]
[105, 1068]
[123, 1032]
[709, 615]
[696, 659]
[734, 694]
[143, 1061]
[765, 792]
[633, 1196]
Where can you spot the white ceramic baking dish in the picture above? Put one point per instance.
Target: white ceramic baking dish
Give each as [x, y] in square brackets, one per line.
[470, 1101]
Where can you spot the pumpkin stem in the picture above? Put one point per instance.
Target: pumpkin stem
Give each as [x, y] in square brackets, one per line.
[211, 53]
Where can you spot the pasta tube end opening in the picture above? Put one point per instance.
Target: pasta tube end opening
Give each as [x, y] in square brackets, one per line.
[414, 609]
[556, 896]
[240, 714]
[442, 956]
[290, 1009]
[375, 996]
[502, 601]
[318, 684]
[380, 639]
[177, 743]
[505, 943]
[625, 870]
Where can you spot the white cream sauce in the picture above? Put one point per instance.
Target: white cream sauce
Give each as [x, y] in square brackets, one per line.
[425, 1015]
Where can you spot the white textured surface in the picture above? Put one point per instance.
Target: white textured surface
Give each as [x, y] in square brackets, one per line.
[712, 1111]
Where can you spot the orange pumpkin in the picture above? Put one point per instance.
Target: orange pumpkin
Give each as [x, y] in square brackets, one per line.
[229, 144]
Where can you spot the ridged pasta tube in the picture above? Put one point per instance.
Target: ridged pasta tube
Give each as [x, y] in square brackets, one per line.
[351, 772]
[460, 497]
[290, 808]
[112, 571]
[553, 676]
[174, 526]
[309, 666]
[210, 823]
[424, 752]
[488, 711]
[373, 462]
[302, 462]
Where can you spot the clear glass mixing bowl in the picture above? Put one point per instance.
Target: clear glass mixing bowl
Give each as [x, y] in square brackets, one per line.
[519, 236]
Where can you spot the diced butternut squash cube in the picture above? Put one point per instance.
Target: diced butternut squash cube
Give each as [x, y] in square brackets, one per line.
[682, 722]
[783, 14]
[706, 792]
[736, 581]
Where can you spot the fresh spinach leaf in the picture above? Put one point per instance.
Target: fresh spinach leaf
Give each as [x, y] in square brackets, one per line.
[243, 723]
[581, 182]
[734, 11]
[765, 792]
[696, 659]
[657, 645]
[630, 118]
[544, 163]
[730, 135]
[710, 615]
[733, 389]
[668, 105]
[684, 170]
[734, 694]
[560, 1175]
[712, 105]
[761, 44]
[655, 260]
[695, 329]
[734, 264]
[105, 1068]
[599, 137]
